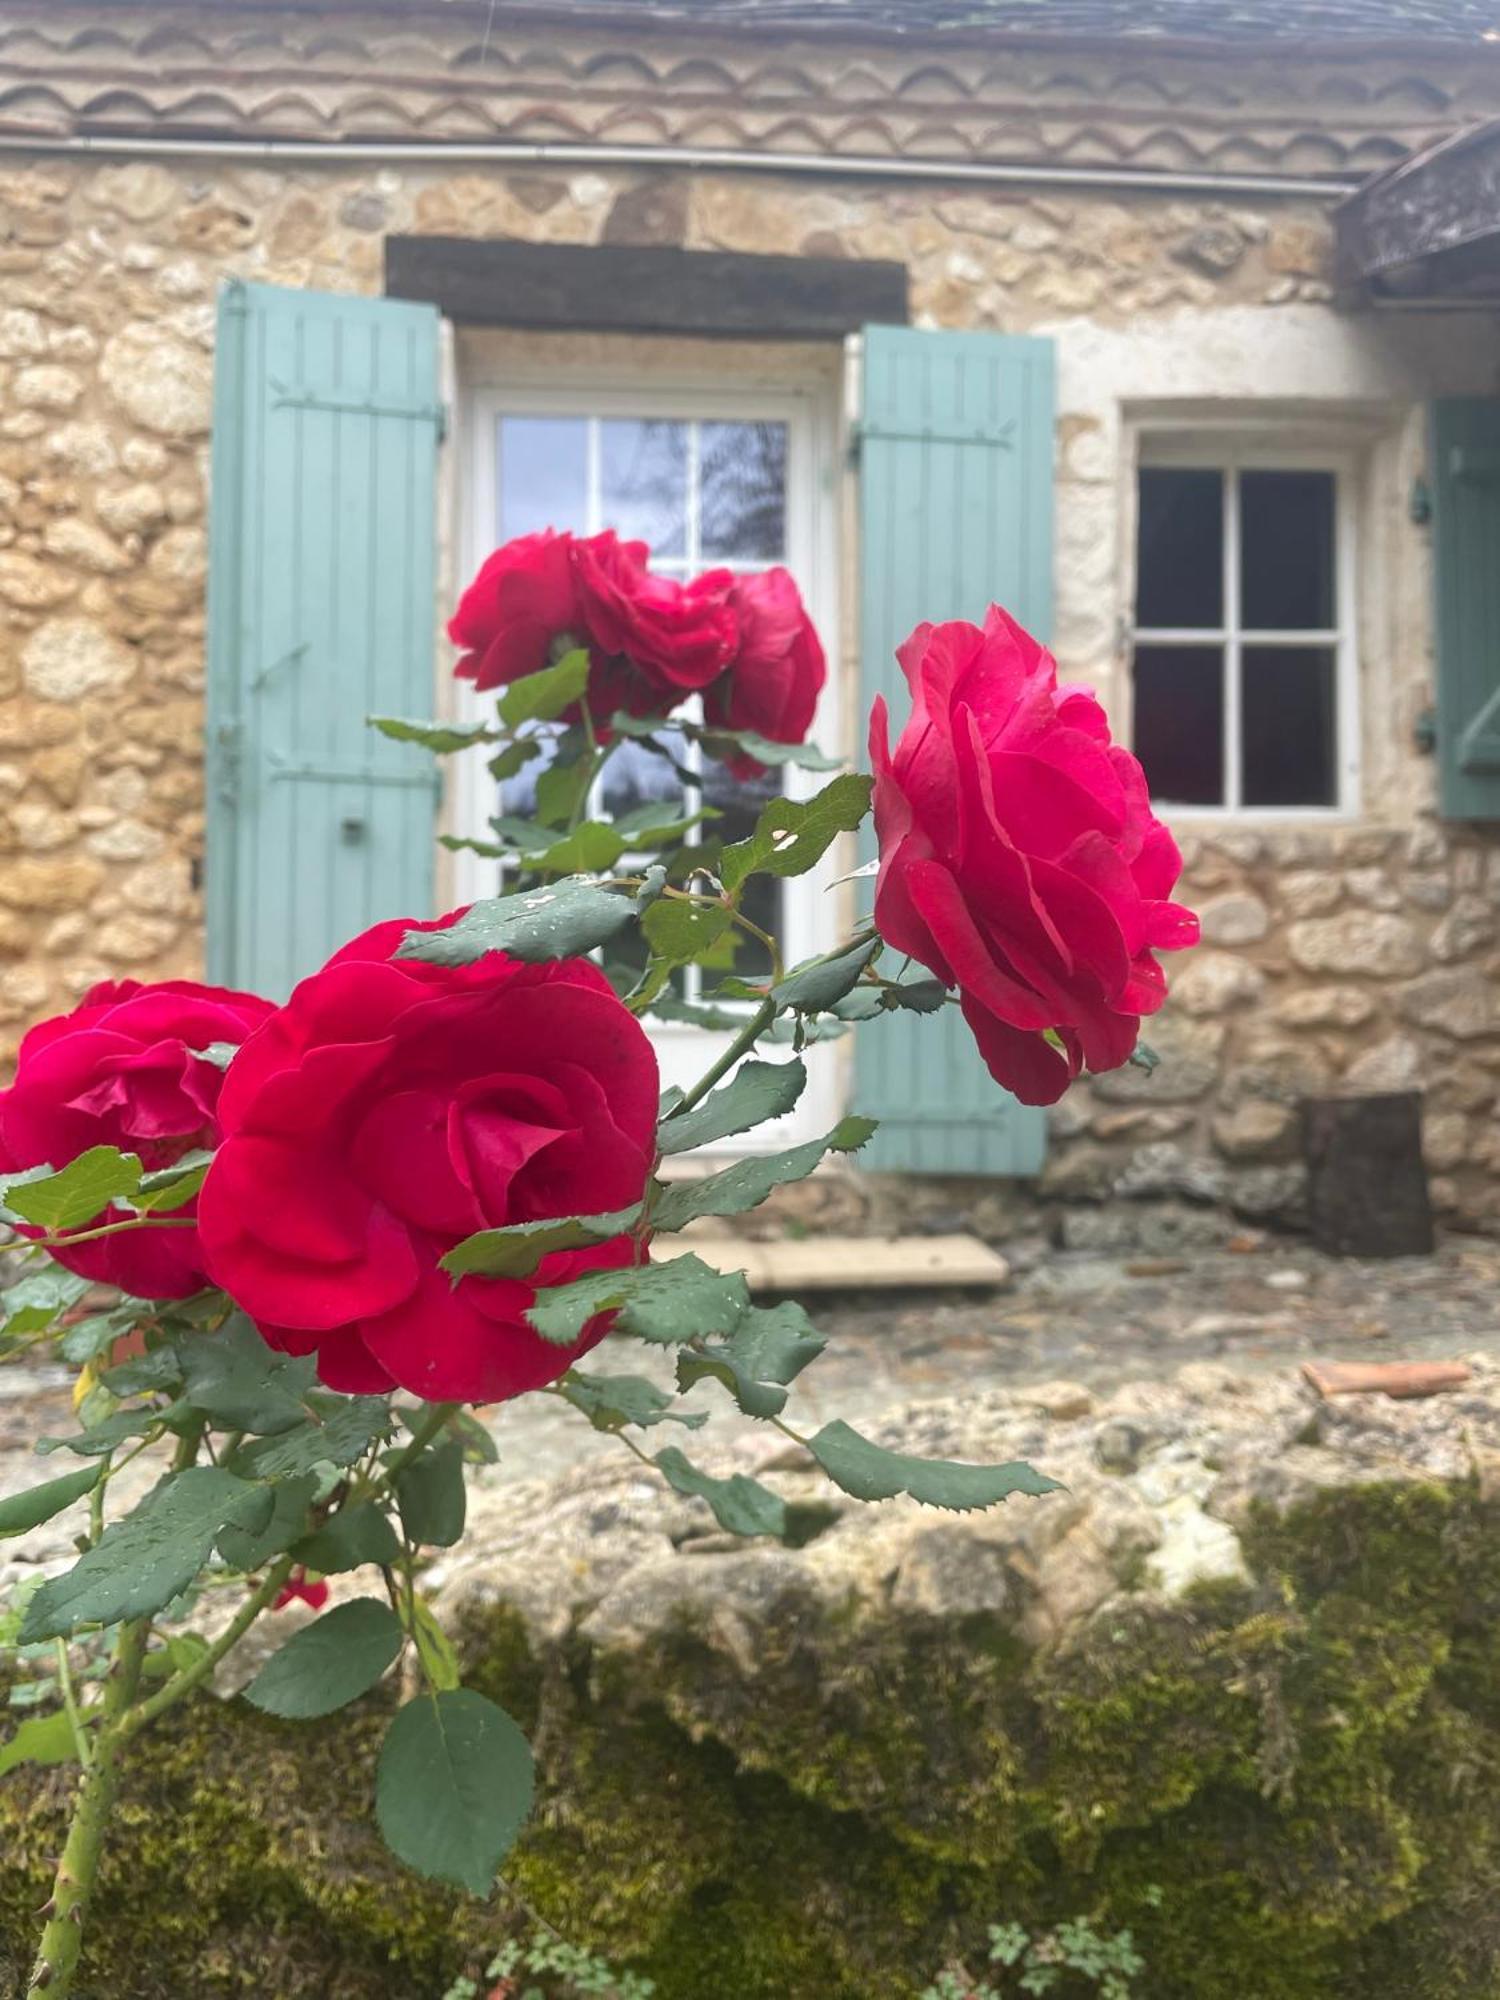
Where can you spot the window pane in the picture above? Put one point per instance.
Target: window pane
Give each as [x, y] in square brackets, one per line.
[1179, 722]
[743, 480]
[1287, 725]
[541, 474]
[1286, 551]
[1180, 566]
[635, 776]
[643, 481]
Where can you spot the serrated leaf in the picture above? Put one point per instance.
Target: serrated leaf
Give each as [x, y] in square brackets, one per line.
[87, 1339]
[233, 1377]
[563, 919]
[667, 1007]
[740, 1504]
[142, 1562]
[610, 1402]
[591, 848]
[561, 790]
[793, 835]
[340, 1430]
[819, 982]
[720, 744]
[431, 1496]
[334, 1660]
[23, 1511]
[919, 996]
[680, 933]
[290, 1500]
[348, 1540]
[158, 1368]
[479, 1446]
[870, 1472]
[103, 1437]
[435, 1650]
[441, 738]
[77, 1192]
[454, 1787]
[169, 1188]
[746, 1184]
[542, 696]
[40, 1739]
[660, 1303]
[35, 1302]
[757, 1091]
[768, 1349]
[516, 1250]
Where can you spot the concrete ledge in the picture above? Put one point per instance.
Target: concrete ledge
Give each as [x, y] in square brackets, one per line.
[845, 1263]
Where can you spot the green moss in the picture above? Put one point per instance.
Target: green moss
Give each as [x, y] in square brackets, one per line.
[1288, 1789]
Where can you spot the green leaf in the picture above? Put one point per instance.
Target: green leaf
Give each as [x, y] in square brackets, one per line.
[348, 1540]
[610, 1402]
[768, 1349]
[103, 1437]
[290, 1500]
[870, 1472]
[220, 1054]
[435, 1650]
[653, 881]
[757, 1091]
[172, 1187]
[432, 1498]
[479, 1446]
[667, 1007]
[158, 1368]
[339, 1430]
[561, 790]
[591, 848]
[820, 981]
[441, 738]
[660, 1303]
[41, 1739]
[741, 1505]
[793, 835]
[542, 696]
[559, 920]
[87, 1339]
[920, 996]
[28, 1510]
[454, 1787]
[80, 1191]
[746, 1184]
[682, 932]
[334, 1660]
[35, 1302]
[720, 744]
[244, 1385]
[142, 1562]
[516, 1250]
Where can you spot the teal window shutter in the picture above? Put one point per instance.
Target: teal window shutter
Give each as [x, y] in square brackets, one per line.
[1466, 568]
[321, 612]
[955, 470]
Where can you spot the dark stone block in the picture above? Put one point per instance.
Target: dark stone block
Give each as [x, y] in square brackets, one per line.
[1366, 1183]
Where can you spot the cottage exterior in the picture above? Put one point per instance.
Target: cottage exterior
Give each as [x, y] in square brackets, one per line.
[933, 303]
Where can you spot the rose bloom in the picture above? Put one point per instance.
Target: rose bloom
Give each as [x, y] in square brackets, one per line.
[522, 601]
[1020, 859]
[680, 636]
[772, 688]
[120, 1070]
[390, 1109]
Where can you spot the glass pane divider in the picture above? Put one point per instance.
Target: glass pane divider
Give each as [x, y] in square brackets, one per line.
[1233, 781]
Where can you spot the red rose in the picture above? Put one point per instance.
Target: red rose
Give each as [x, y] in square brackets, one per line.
[120, 1071]
[297, 1589]
[392, 1108]
[523, 600]
[682, 635]
[778, 673]
[1019, 857]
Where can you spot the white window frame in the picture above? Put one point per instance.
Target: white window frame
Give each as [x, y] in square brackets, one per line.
[1207, 450]
[811, 907]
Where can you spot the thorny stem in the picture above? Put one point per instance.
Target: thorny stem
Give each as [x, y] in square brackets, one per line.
[745, 1040]
[199, 1669]
[67, 1241]
[70, 1702]
[438, 1417]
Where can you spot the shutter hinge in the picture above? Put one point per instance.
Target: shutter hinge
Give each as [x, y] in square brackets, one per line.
[1419, 504]
[1424, 731]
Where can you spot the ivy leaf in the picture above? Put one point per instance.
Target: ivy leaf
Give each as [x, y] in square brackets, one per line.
[454, 1787]
[757, 1091]
[348, 1540]
[34, 1303]
[542, 696]
[610, 1402]
[819, 982]
[41, 1739]
[290, 1500]
[664, 1304]
[334, 1660]
[517, 1249]
[145, 1560]
[746, 1184]
[680, 932]
[793, 835]
[563, 919]
[441, 738]
[23, 1511]
[431, 1496]
[768, 1349]
[723, 743]
[237, 1380]
[339, 1430]
[78, 1192]
[741, 1505]
[870, 1472]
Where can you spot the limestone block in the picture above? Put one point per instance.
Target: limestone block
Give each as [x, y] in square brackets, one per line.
[66, 658]
[1238, 918]
[31, 584]
[1324, 1007]
[1458, 1003]
[23, 991]
[1258, 1129]
[39, 827]
[129, 938]
[1428, 889]
[139, 190]
[161, 383]
[1373, 887]
[164, 888]
[45, 385]
[72, 343]
[50, 885]
[1445, 1140]
[83, 446]
[132, 509]
[77, 541]
[23, 334]
[180, 556]
[1469, 926]
[144, 457]
[1305, 894]
[1398, 1063]
[1359, 941]
[1215, 982]
[125, 840]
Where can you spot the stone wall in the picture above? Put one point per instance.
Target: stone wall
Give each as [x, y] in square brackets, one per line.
[1354, 954]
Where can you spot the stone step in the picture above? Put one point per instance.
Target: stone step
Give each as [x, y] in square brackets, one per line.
[845, 1263]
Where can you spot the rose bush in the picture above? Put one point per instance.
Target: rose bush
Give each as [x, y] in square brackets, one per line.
[1020, 859]
[772, 687]
[125, 1069]
[389, 1110]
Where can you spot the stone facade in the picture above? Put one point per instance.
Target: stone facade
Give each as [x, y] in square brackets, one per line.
[1354, 955]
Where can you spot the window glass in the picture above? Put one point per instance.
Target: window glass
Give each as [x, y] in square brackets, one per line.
[542, 474]
[643, 482]
[743, 475]
[1287, 551]
[1180, 563]
[1288, 735]
[1179, 722]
